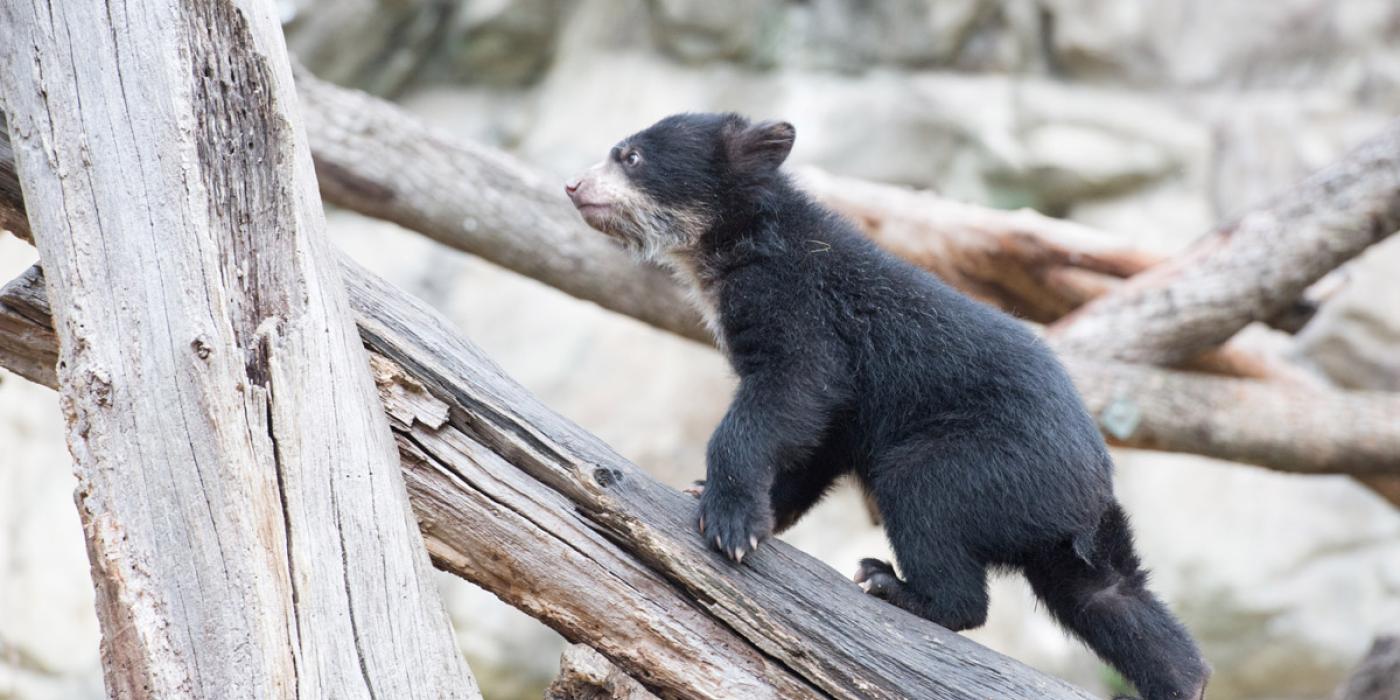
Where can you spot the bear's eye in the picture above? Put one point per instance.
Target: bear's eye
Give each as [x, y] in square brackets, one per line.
[632, 159]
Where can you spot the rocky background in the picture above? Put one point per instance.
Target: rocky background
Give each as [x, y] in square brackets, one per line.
[1150, 118]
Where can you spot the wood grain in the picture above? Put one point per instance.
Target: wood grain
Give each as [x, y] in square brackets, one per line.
[1248, 269]
[515, 498]
[247, 525]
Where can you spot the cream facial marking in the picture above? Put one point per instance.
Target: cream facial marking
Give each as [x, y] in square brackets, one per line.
[612, 204]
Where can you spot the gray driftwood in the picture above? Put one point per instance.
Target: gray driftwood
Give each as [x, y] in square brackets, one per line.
[247, 525]
[522, 502]
[1377, 677]
[1152, 399]
[375, 158]
[584, 674]
[1249, 269]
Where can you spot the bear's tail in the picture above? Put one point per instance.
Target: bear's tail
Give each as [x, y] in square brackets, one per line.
[1096, 587]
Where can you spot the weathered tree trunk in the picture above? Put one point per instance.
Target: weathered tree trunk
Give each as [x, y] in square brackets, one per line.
[584, 674]
[1032, 265]
[1249, 269]
[1036, 266]
[522, 502]
[1151, 408]
[1377, 677]
[375, 158]
[1284, 427]
[247, 525]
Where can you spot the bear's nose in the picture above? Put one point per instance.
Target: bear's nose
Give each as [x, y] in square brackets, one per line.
[571, 187]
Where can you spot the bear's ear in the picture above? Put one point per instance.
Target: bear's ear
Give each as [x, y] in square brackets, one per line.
[760, 147]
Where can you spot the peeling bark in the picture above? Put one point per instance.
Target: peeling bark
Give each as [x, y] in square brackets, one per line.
[248, 530]
[513, 497]
[584, 674]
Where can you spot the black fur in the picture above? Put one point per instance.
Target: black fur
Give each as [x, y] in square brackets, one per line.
[957, 419]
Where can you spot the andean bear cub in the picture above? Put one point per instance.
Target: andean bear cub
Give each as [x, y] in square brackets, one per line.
[959, 422]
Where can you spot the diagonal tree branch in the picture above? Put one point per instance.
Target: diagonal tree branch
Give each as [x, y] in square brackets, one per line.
[520, 501]
[1033, 265]
[1038, 267]
[375, 158]
[1249, 269]
[1155, 422]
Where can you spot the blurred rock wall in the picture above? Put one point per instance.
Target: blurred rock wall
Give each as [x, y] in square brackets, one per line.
[1150, 118]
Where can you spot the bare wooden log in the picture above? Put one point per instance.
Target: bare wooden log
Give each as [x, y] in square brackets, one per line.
[12, 216]
[584, 674]
[1287, 428]
[1035, 266]
[1377, 677]
[248, 530]
[1243, 420]
[1285, 448]
[796, 611]
[518, 500]
[1249, 269]
[374, 158]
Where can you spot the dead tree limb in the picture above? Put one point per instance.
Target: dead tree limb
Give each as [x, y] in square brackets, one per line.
[248, 530]
[1286, 445]
[1249, 269]
[374, 158]
[518, 500]
[1244, 420]
[1035, 266]
[1377, 677]
[584, 674]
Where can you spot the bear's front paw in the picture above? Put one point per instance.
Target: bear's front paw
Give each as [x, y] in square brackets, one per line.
[733, 524]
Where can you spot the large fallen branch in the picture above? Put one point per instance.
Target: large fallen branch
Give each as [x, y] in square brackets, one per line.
[1033, 265]
[1036, 266]
[1300, 434]
[584, 674]
[1377, 677]
[1249, 269]
[520, 501]
[1284, 427]
[375, 158]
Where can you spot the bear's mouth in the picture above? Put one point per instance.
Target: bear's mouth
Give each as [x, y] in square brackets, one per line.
[597, 214]
[592, 208]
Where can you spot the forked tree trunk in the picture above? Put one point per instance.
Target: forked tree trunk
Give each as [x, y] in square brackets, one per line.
[246, 520]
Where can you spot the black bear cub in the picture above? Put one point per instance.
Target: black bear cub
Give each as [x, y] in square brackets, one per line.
[958, 421]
